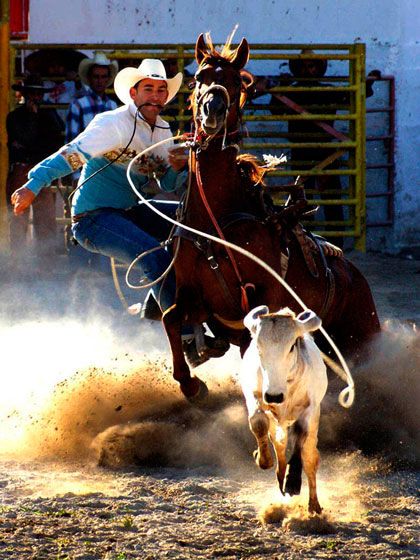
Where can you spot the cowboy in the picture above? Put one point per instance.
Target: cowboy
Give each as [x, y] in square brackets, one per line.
[96, 74]
[33, 133]
[106, 216]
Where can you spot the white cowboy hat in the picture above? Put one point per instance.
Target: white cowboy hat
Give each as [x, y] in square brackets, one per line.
[98, 60]
[149, 68]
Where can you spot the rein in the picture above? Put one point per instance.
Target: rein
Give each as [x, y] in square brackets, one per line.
[203, 145]
[244, 295]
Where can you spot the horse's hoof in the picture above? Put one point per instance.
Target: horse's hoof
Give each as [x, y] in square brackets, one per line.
[196, 391]
[314, 507]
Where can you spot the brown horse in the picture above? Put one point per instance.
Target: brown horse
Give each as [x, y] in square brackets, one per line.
[216, 285]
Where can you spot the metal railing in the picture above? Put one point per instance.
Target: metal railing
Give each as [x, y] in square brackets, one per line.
[387, 140]
[269, 132]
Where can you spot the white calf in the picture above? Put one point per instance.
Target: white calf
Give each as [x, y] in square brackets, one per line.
[284, 380]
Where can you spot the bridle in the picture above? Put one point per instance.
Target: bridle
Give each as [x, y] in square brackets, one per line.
[201, 142]
[199, 136]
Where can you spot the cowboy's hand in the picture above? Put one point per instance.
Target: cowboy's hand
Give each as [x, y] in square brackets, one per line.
[22, 199]
[177, 158]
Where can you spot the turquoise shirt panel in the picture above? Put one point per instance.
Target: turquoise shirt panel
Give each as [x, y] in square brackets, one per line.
[103, 184]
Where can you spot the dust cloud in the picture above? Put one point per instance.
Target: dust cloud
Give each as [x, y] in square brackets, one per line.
[385, 418]
[73, 391]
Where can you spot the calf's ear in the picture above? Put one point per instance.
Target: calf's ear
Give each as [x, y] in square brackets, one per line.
[251, 320]
[309, 321]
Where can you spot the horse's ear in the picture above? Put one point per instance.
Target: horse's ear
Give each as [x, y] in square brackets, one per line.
[200, 49]
[242, 55]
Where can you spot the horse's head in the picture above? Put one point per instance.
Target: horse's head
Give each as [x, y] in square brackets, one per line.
[220, 86]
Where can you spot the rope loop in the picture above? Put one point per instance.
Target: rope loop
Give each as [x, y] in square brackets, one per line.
[346, 397]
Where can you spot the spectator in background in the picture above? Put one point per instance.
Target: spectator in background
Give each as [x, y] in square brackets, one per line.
[32, 134]
[63, 91]
[97, 74]
[307, 72]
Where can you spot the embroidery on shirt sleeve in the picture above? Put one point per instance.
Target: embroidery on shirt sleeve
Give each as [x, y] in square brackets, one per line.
[153, 166]
[75, 159]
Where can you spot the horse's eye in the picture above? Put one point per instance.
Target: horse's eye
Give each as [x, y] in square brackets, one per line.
[199, 76]
[204, 76]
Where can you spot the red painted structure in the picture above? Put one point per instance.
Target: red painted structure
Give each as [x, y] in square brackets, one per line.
[19, 19]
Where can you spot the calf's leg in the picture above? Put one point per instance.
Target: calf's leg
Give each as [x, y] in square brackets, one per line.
[310, 459]
[259, 424]
[297, 436]
[278, 438]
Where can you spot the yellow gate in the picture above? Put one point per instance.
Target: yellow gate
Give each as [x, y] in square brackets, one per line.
[267, 133]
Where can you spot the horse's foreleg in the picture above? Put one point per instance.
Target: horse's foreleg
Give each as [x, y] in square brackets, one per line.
[191, 387]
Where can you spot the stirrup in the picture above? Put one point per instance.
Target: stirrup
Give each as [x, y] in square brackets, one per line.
[202, 347]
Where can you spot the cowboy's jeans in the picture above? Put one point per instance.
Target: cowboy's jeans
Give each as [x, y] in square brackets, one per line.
[125, 234]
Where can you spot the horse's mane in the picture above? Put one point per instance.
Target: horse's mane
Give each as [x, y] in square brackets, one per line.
[213, 56]
[251, 167]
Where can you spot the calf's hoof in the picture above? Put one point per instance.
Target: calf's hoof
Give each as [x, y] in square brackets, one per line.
[294, 476]
[293, 483]
[263, 460]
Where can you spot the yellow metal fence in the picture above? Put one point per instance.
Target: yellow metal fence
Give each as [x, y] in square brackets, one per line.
[268, 133]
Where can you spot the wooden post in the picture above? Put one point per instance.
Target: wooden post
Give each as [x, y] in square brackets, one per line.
[360, 152]
[4, 109]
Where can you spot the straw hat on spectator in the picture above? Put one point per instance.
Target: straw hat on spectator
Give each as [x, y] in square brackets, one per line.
[149, 68]
[98, 60]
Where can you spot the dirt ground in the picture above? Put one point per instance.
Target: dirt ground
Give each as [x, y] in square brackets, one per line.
[103, 459]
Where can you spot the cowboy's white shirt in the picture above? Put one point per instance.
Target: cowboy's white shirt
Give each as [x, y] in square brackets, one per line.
[104, 139]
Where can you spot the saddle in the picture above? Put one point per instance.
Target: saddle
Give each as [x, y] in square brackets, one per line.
[286, 219]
